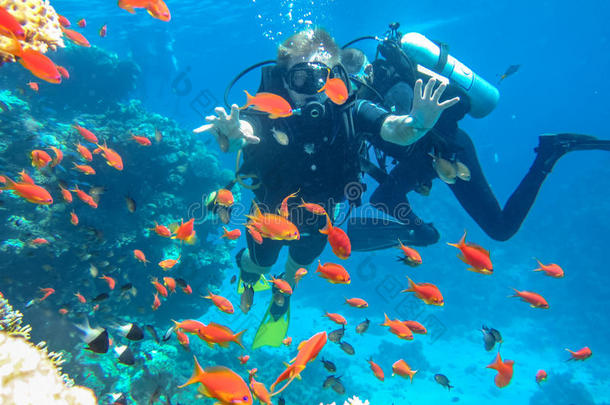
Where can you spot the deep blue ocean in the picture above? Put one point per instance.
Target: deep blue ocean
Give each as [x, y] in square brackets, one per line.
[183, 67]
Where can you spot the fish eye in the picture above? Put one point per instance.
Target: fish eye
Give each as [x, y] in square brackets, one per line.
[245, 398]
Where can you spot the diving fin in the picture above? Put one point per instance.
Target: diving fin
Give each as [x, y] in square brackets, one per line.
[261, 285]
[368, 234]
[272, 332]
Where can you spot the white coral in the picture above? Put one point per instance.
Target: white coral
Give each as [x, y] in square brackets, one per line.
[28, 377]
[352, 401]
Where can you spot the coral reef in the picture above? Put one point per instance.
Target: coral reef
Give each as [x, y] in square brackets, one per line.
[353, 401]
[29, 374]
[40, 23]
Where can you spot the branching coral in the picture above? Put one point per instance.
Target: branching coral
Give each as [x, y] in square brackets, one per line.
[10, 320]
[40, 23]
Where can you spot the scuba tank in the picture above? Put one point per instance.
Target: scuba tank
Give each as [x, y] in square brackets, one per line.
[483, 95]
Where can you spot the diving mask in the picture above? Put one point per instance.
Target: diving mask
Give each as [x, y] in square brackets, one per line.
[307, 77]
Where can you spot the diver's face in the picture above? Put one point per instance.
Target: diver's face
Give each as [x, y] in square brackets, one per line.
[299, 79]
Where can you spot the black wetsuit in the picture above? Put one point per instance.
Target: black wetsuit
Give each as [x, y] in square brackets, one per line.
[320, 161]
[414, 171]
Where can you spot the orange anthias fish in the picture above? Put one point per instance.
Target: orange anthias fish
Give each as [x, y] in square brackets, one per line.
[37, 63]
[84, 197]
[541, 376]
[398, 328]
[274, 105]
[82, 23]
[282, 285]
[221, 383]
[411, 256]
[84, 152]
[76, 37]
[112, 158]
[376, 369]
[189, 325]
[63, 21]
[301, 272]
[233, 234]
[313, 208]
[139, 255]
[159, 10]
[357, 302]
[26, 177]
[416, 327]
[308, 351]
[243, 359]
[58, 156]
[168, 263]
[287, 341]
[221, 335]
[33, 85]
[283, 210]
[552, 270]
[402, 369]
[86, 169]
[111, 282]
[170, 283]
[103, 31]
[46, 292]
[30, 192]
[338, 240]
[39, 241]
[80, 298]
[162, 230]
[336, 90]
[85, 133]
[582, 354]
[8, 24]
[221, 303]
[337, 318]
[142, 140]
[224, 197]
[40, 158]
[334, 273]
[535, 300]
[474, 255]
[427, 292]
[156, 302]
[73, 218]
[185, 231]
[260, 391]
[271, 226]
[504, 369]
[183, 339]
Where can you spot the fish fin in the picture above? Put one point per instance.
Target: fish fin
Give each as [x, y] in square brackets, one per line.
[462, 258]
[197, 374]
[273, 116]
[478, 247]
[238, 337]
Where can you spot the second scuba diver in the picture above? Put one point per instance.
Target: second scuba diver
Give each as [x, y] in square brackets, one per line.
[315, 153]
[445, 145]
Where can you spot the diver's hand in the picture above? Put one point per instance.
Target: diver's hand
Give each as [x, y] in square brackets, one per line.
[230, 132]
[407, 129]
[426, 109]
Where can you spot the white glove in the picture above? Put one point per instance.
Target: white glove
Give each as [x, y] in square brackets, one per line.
[426, 110]
[230, 132]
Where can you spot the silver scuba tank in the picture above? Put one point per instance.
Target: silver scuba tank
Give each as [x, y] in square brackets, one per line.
[483, 95]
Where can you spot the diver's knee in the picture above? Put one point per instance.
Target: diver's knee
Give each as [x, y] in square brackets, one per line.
[248, 265]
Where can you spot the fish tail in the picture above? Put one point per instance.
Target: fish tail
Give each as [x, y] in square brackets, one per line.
[516, 293]
[197, 374]
[249, 99]
[9, 183]
[237, 338]
[328, 227]
[325, 83]
[15, 47]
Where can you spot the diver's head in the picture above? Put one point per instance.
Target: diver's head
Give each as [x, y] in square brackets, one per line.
[307, 59]
[357, 64]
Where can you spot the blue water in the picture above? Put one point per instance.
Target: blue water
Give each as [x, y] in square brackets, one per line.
[185, 64]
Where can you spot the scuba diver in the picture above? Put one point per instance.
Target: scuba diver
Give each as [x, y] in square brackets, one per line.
[446, 152]
[315, 152]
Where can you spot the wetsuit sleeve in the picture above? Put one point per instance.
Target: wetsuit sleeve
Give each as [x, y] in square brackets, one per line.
[368, 117]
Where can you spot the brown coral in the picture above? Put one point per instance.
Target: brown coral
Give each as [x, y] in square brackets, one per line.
[40, 23]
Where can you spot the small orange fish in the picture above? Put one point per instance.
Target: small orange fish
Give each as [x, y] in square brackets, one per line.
[504, 369]
[336, 318]
[86, 169]
[73, 218]
[189, 325]
[281, 285]
[185, 230]
[427, 292]
[84, 152]
[111, 282]
[76, 37]
[474, 256]
[66, 194]
[33, 85]
[338, 240]
[336, 90]
[156, 302]
[80, 298]
[39, 241]
[85, 133]
[376, 369]
[159, 287]
[552, 270]
[113, 159]
[274, 105]
[46, 292]
[187, 289]
[40, 158]
[183, 339]
[271, 226]
[357, 302]
[416, 327]
[63, 72]
[283, 210]
[84, 197]
[313, 208]
[398, 328]
[300, 273]
[63, 21]
[158, 9]
[260, 391]
[402, 369]
[287, 341]
[216, 334]
[30, 192]
[334, 273]
[58, 156]
[63, 311]
[142, 140]
[139, 255]
[26, 177]
[9, 24]
[103, 31]
[162, 230]
[221, 303]
[540, 376]
[168, 263]
[36, 62]
[221, 383]
[233, 234]
[224, 197]
[535, 300]
[243, 359]
[411, 256]
[582, 354]
[81, 23]
[170, 283]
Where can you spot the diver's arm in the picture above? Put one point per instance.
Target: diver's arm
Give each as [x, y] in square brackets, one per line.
[425, 112]
[230, 132]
